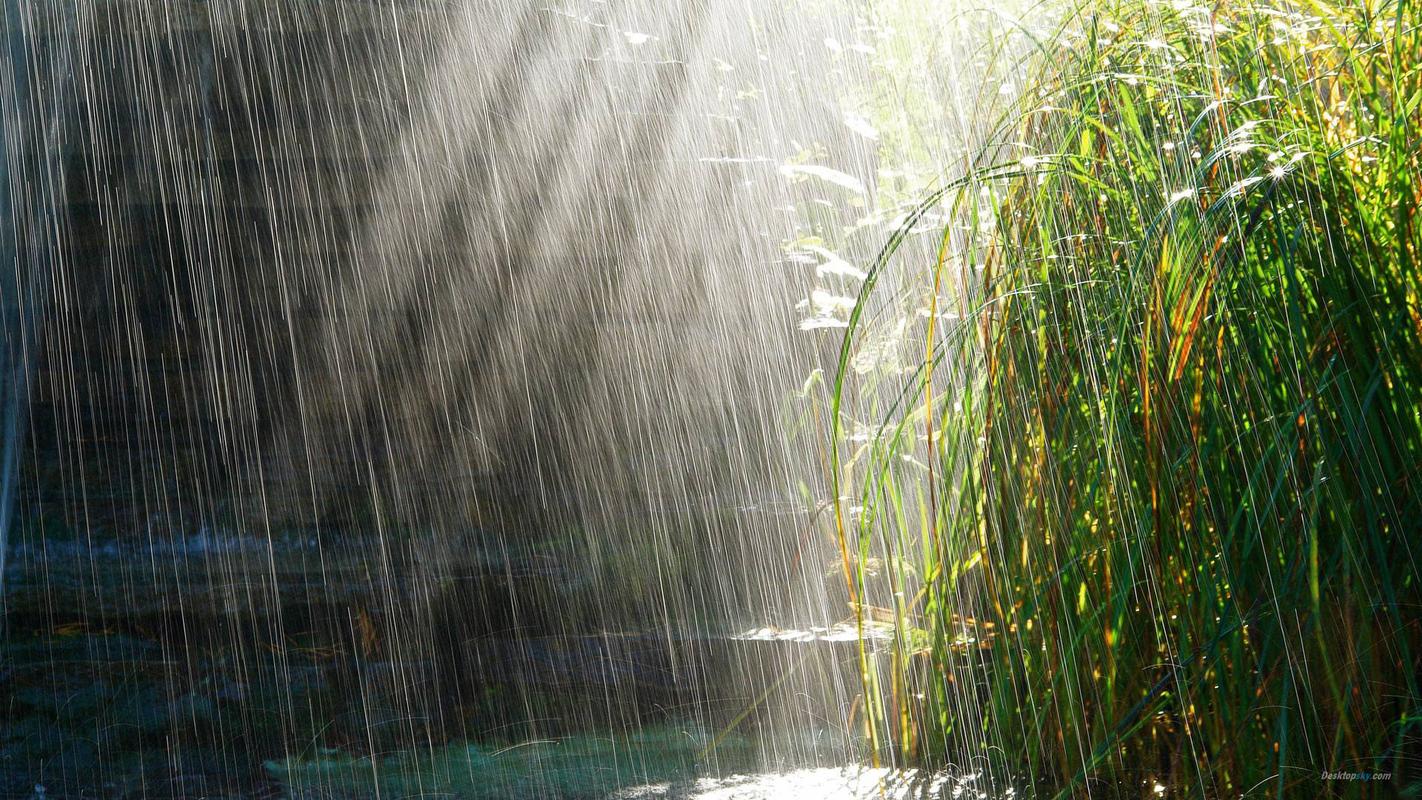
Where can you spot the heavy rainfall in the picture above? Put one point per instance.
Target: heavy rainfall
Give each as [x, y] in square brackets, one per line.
[749, 399]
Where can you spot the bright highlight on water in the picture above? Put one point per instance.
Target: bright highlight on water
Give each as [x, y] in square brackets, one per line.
[749, 399]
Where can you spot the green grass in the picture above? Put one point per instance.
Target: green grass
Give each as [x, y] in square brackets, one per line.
[1169, 526]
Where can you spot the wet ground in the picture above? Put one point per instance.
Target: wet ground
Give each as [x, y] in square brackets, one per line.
[198, 667]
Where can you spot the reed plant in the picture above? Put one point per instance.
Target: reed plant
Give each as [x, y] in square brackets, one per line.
[1145, 514]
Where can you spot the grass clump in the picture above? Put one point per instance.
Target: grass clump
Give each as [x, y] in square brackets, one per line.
[1147, 512]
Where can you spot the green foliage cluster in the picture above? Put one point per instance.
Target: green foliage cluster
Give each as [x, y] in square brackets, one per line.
[1152, 499]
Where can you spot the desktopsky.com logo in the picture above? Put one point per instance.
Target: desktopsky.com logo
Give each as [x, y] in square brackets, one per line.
[1356, 776]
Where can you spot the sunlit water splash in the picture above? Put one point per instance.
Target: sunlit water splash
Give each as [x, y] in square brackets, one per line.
[421, 372]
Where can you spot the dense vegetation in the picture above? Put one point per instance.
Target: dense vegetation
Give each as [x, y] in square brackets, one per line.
[1147, 510]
